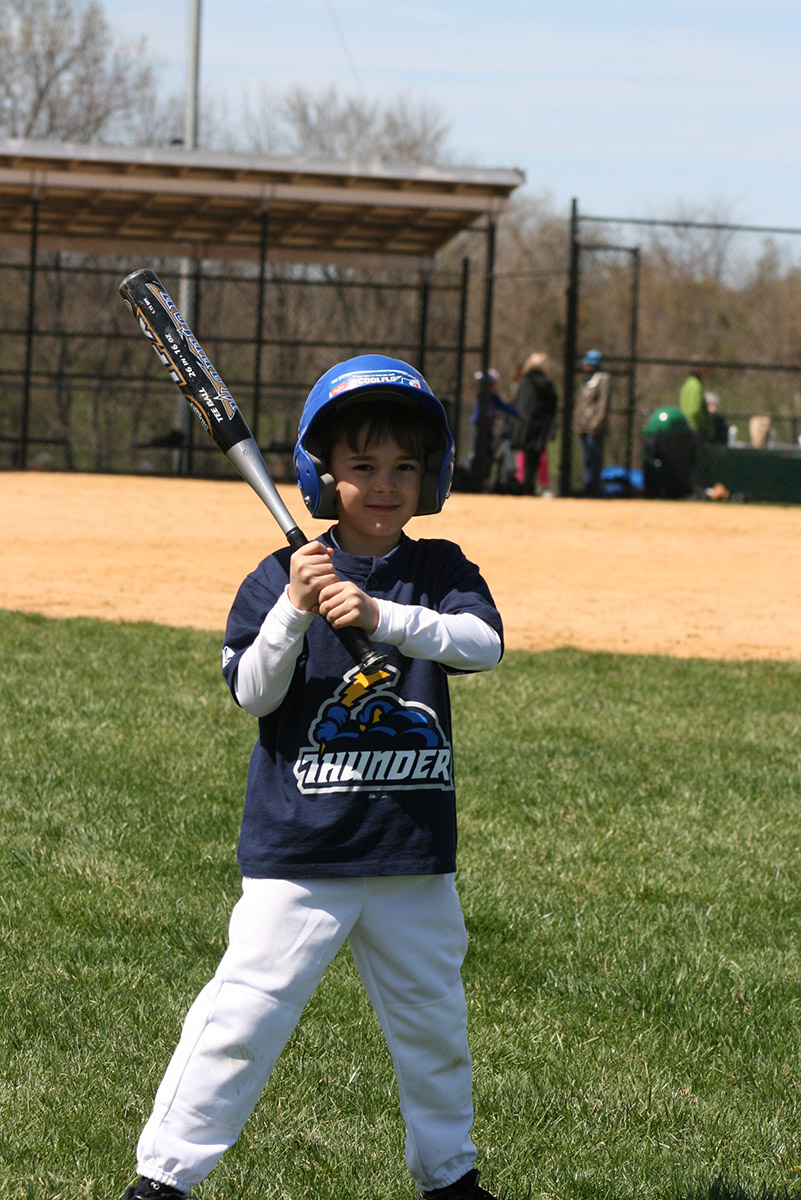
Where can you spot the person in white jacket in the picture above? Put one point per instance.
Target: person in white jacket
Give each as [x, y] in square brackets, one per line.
[591, 418]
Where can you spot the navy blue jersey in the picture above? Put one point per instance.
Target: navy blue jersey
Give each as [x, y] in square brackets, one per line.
[343, 780]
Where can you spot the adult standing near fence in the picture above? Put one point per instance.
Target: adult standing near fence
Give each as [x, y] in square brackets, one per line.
[692, 402]
[536, 401]
[591, 418]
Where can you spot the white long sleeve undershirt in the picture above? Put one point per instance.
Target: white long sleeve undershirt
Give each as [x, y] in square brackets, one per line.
[264, 673]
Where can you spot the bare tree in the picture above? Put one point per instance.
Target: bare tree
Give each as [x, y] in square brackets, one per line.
[696, 241]
[329, 125]
[62, 75]
[530, 273]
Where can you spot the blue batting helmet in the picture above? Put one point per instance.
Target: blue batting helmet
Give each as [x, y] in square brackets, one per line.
[593, 358]
[357, 379]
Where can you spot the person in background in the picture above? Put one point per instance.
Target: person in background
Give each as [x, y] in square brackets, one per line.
[720, 427]
[692, 402]
[591, 418]
[536, 401]
[490, 454]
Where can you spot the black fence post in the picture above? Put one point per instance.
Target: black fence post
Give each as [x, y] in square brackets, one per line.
[425, 294]
[633, 336]
[481, 463]
[263, 242]
[29, 334]
[571, 330]
[456, 416]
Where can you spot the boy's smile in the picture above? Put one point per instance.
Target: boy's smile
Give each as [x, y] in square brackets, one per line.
[378, 490]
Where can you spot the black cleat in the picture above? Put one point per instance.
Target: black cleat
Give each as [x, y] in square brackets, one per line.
[151, 1189]
[466, 1188]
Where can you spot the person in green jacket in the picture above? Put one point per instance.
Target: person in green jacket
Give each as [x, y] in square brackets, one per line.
[692, 403]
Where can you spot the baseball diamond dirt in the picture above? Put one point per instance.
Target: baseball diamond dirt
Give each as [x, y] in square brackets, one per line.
[706, 580]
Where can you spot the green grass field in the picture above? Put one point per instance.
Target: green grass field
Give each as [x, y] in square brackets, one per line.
[629, 870]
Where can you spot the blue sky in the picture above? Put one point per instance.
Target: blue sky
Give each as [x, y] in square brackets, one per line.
[640, 109]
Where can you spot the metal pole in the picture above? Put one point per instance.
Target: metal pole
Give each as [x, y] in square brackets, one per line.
[26, 386]
[186, 289]
[193, 76]
[483, 433]
[263, 241]
[571, 330]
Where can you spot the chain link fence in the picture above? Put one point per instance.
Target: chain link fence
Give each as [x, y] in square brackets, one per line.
[81, 390]
[666, 299]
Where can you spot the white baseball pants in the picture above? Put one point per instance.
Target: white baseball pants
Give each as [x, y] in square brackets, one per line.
[408, 940]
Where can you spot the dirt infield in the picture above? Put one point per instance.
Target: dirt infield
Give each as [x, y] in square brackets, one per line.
[687, 579]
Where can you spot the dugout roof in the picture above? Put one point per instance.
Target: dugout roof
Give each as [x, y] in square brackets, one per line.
[106, 199]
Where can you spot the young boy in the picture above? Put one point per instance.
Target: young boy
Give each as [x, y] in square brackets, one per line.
[349, 827]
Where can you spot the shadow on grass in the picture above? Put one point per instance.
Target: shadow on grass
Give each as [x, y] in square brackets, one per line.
[724, 1189]
[718, 1189]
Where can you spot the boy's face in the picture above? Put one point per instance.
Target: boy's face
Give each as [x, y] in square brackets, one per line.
[378, 490]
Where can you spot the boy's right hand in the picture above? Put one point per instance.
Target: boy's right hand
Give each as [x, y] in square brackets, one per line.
[310, 570]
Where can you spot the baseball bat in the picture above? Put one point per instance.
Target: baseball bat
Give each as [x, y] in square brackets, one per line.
[191, 369]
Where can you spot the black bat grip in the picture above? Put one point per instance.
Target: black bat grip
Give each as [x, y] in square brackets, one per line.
[296, 537]
[355, 641]
[359, 646]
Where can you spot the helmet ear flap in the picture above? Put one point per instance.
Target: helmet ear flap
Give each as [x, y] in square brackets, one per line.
[435, 486]
[316, 484]
[327, 508]
[429, 495]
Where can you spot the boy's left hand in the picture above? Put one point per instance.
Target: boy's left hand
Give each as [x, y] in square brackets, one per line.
[343, 604]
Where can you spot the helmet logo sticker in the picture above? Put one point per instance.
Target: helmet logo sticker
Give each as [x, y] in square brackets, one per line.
[374, 379]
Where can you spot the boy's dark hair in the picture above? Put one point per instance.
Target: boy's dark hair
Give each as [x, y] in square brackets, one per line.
[375, 418]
